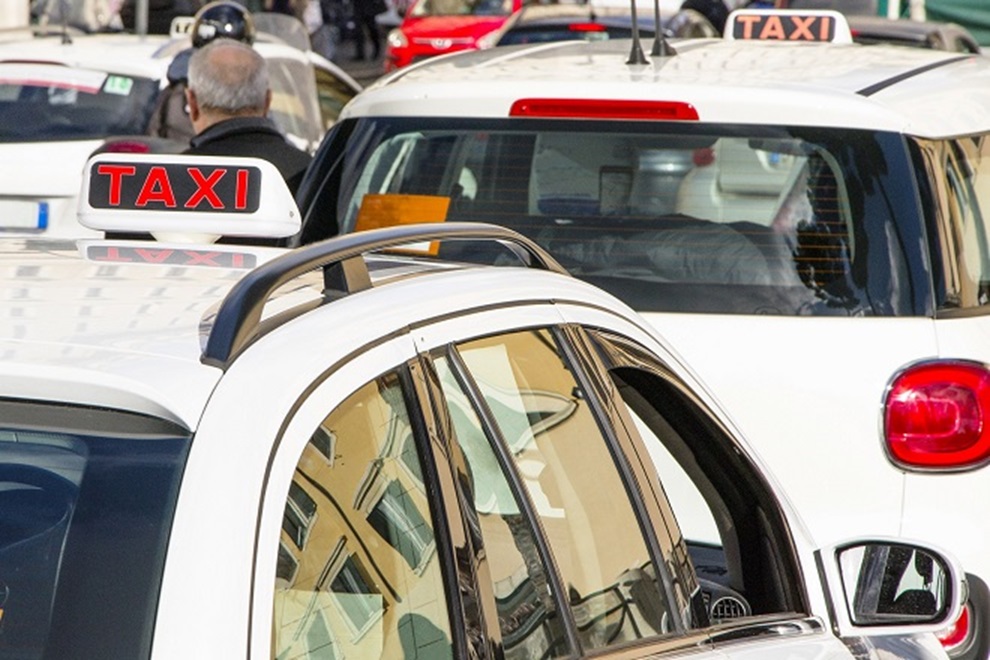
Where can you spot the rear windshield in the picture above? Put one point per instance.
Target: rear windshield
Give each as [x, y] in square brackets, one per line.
[668, 216]
[86, 502]
[48, 102]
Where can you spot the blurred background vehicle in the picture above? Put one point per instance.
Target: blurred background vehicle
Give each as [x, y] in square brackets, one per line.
[568, 22]
[65, 93]
[908, 32]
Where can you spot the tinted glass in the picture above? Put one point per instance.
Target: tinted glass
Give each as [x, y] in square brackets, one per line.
[42, 102]
[358, 574]
[575, 488]
[678, 217]
[86, 503]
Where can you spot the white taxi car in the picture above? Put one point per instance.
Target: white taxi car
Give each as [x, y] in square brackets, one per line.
[216, 451]
[62, 98]
[807, 222]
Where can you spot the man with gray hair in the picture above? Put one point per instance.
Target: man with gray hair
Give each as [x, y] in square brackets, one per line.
[229, 97]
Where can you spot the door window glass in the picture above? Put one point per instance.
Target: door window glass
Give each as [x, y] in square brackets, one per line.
[358, 571]
[573, 484]
[527, 614]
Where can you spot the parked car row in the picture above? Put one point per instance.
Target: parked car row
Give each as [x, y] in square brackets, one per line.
[597, 347]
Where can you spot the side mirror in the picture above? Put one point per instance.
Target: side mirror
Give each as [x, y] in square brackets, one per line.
[892, 586]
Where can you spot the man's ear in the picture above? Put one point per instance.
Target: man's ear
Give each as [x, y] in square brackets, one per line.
[268, 102]
[193, 104]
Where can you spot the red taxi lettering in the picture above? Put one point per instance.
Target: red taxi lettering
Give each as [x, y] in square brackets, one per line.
[156, 188]
[205, 188]
[202, 258]
[783, 27]
[748, 22]
[111, 254]
[240, 201]
[773, 29]
[116, 174]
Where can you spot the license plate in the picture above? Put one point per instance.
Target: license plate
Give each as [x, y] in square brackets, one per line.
[23, 214]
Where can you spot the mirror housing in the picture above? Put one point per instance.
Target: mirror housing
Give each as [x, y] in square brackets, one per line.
[891, 586]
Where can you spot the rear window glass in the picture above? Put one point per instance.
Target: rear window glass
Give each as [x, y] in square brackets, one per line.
[86, 502]
[730, 219]
[44, 102]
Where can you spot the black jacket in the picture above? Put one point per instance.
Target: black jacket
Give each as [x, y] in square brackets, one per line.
[253, 137]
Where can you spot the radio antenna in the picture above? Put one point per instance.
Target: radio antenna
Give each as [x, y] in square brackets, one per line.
[636, 55]
[660, 46]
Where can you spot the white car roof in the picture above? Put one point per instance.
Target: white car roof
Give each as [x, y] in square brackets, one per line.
[79, 327]
[129, 54]
[921, 92]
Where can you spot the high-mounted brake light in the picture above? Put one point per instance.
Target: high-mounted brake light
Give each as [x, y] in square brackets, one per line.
[586, 27]
[937, 416]
[604, 109]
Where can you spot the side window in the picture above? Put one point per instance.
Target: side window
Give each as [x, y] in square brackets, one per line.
[333, 94]
[738, 540]
[358, 574]
[571, 484]
[968, 179]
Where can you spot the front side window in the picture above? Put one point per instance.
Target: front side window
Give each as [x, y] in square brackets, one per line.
[667, 216]
[86, 504]
[363, 580]
[571, 483]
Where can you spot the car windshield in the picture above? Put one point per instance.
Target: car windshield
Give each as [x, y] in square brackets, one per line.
[50, 102]
[462, 8]
[86, 502]
[668, 216]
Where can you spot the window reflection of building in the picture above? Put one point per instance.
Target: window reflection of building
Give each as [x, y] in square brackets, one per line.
[367, 572]
[595, 537]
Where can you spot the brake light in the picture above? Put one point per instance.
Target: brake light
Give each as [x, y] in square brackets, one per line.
[937, 416]
[126, 147]
[586, 27]
[604, 109]
[953, 636]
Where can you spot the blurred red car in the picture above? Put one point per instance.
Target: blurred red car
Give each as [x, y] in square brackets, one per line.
[435, 27]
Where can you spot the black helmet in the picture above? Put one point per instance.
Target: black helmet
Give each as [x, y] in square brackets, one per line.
[222, 19]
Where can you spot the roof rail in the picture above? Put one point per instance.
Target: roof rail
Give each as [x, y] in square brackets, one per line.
[238, 320]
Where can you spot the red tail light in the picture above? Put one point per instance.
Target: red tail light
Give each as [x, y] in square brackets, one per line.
[954, 636]
[126, 147]
[604, 109]
[937, 416]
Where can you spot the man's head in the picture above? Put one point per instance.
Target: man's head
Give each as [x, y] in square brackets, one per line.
[227, 79]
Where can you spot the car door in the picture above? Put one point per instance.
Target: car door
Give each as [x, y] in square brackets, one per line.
[473, 496]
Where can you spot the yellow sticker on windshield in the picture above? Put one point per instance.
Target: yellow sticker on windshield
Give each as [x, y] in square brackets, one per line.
[120, 85]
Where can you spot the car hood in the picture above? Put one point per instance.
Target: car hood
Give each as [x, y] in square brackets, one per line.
[451, 27]
[43, 169]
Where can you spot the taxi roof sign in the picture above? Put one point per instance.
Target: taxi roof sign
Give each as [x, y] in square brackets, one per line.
[179, 194]
[788, 25]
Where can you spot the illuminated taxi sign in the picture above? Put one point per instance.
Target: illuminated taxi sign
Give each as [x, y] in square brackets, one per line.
[177, 194]
[171, 186]
[788, 25]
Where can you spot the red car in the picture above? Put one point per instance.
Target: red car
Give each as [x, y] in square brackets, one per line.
[435, 27]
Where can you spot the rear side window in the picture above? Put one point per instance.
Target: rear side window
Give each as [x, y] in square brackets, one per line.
[86, 503]
[722, 219]
[961, 243]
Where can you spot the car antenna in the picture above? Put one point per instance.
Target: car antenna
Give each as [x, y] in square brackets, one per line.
[636, 55]
[63, 9]
[660, 46]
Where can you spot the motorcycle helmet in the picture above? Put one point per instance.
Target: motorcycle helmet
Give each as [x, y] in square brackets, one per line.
[224, 19]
